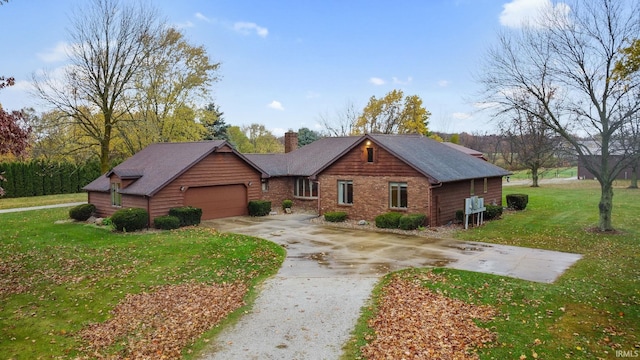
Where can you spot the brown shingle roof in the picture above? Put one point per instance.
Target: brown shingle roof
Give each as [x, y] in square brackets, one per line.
[158, 164]
[435, 160]
[438, 162]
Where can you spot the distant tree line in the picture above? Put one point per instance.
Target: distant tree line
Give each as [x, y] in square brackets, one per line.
[42, 177]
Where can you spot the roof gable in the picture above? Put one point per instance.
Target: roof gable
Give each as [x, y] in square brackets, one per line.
[158, 164]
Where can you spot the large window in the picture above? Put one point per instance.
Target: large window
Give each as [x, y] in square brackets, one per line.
[345, 192]
[306, 188]
[116, 197]
[398, 195]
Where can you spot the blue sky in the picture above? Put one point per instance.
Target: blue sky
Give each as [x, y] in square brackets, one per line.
[285, 64]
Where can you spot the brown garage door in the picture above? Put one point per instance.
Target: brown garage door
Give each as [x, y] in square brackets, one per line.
[218, 201]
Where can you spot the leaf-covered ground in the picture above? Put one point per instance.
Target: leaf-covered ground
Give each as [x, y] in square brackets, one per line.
[160, 324]
[414, 322]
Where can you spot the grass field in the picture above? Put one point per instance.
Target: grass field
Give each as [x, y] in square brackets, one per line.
[10, 203]
[592, 311]
[565, 172]
[57, 278]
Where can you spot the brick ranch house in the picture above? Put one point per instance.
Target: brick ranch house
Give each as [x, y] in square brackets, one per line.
[363, 175]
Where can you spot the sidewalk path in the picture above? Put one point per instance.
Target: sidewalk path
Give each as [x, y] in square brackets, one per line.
[4, 211]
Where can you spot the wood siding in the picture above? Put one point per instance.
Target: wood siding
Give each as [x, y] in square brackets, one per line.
[355, 163]
[219, 168]
[449, 198]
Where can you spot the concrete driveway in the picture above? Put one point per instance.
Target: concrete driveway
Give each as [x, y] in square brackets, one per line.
[314, 249]
[308, 310]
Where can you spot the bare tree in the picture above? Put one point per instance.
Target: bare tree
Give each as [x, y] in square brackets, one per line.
[571, 52]
[110, 42]
[530, 143]
[342, 123]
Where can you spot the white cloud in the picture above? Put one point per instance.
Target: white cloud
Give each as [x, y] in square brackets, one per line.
[247, 28]
[184, 25]
[200, 16]
[56, 54]
[461, 116]
[278, 131]
[518, 13]
[443, 83]
[402, 82]
[376, 81]
[276, 105]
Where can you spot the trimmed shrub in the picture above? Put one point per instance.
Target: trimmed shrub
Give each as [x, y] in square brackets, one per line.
[335, 216]
[259, 207]
[188, 215]
[166, 222]
[459, 216]
[412, 221]
[287, 204]
[492, 212]
[82, 212]
[517, 201]
[390, 220]
[131, 219]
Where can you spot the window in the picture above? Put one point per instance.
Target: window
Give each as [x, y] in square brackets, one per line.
[398, 195]
[116, 197]
[370, 155]
[472, 190]
[486, 185]
[345, 192]
[265, 185]
[306, 188]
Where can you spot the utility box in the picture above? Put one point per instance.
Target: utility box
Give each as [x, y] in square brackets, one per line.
[473, 205]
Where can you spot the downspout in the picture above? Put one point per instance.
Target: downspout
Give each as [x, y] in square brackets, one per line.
[148, 210]
[431, 200]
[319, 197]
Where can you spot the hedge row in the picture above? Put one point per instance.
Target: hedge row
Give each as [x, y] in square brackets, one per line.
[395, 220]
[39, 177]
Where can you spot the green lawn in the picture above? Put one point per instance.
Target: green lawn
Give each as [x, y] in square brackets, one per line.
[564, 172]
[55, 278]
[590, 312]
[9, 203]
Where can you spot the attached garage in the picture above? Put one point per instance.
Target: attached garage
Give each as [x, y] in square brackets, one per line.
[210, 175]
[218, 201]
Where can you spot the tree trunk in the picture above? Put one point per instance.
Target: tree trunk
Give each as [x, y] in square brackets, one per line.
[634, 177]
[605, 206]
[534, 176]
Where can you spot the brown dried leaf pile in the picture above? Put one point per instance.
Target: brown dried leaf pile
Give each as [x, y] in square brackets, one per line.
[416, 323]
[159, 325]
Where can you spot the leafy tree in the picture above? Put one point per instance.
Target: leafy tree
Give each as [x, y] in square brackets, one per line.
[572, 55]
[112, 44]
[630, 63]
[455, 138]
[239, 139]
[306, 136]
[254, 138]
[161, 108]
[14, 132]
[393, 114]
[213, 120]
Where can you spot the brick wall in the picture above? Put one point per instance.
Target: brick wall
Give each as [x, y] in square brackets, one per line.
[371, 195]
[281, 188]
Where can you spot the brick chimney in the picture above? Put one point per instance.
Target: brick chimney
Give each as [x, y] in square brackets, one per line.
[290, 141]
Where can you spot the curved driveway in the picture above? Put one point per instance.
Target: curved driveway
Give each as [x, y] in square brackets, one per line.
[309, 308]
